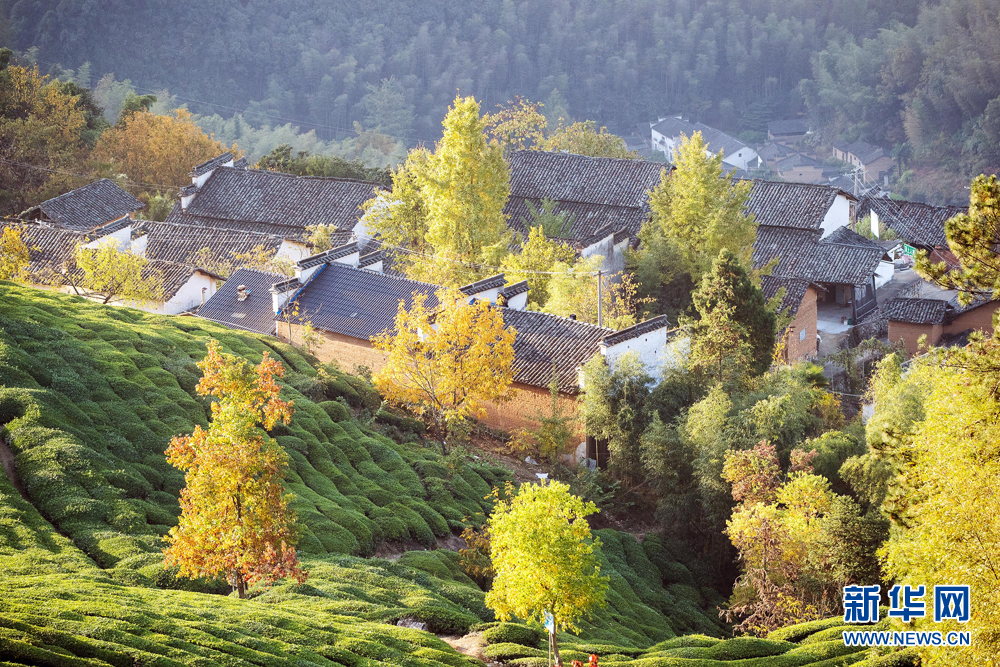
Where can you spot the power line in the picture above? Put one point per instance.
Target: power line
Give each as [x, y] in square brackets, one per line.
[129, 182]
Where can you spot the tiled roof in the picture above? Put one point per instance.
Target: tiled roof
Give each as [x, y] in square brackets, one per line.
[592, 180]
[797, 161]
[85, 208]
[917, 224]
[916, 311]
[636, 330]
[179, 243]
[173, 276]
[795, 291]
[48, 248]
[772, 151]
[255, 313]
[493, 282]
[674, 127]
[787, 127]
[242, 163]
[543, 340]
[512, 290]
[328, 255]
[179, 217]
[862, 150]
[371, 258]
[843, 257]
[214, 163]
[717, 140]
[357, 302]
[586, 219]
[253, 197]
[799, 205]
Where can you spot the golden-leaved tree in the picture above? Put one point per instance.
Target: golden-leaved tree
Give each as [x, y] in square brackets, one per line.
[111, 275]
[157, 149]
[446, 363]
[235, 519]
[14, 254]
[544, 557]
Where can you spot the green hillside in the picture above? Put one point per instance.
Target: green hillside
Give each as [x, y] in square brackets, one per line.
[89, 397]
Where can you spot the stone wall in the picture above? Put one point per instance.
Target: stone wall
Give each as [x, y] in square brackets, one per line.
[805, 319]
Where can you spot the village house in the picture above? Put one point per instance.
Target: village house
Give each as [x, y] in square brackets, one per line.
[605, 200]
[97, 205]
[665, 136]
[225, 195]
[51, 265]
[920, 226]
[835, 274]
[787, 131]
[347, 304]
[940, 320]
[799, 340]
[800, 168]
[800, 206]
[871, 159]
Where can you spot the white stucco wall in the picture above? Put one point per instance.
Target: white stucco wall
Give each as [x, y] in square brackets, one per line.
[293, 251]
[200, 180]
[884, 273]
[190, 294]
[741, 158]
[518, 301]
[122, 239]
[839, 215]
[138, 246]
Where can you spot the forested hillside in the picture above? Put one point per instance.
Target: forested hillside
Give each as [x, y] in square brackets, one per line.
[728, 62]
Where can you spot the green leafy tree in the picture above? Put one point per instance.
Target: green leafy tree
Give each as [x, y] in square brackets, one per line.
[538, 255]
[305, 164]
[614, 409]
[111, 275]
[697, 211]
[464, 187]
[972, 238]
[736, 329]
[544, 557]
[387, 110]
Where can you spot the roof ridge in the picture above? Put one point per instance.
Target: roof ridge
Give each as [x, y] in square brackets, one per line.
[303, 178]
[567, 319]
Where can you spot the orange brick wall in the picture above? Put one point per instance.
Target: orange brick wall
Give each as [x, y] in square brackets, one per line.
[805, 318]
[519, 412]
[979, 318]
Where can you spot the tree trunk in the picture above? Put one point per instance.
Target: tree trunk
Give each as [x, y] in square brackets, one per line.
[555, 650]
[441, 434]
[241, 586]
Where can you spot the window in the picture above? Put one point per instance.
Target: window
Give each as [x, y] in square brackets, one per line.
[802, 335]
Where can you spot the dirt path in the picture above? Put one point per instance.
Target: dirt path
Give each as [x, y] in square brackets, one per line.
[471, 645]
[7, 459]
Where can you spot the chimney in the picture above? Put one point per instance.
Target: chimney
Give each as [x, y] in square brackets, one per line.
[572, 316]
[241, 293]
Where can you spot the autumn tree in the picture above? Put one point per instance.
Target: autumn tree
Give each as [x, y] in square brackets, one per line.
[697, 211]
[157, 149]
[42, 135]
[259, 258]
[544, 557]
[735, 332]
[14, 254]
[446, 360]
[972, 238]
[585, 138]
[235, 520]
[465, 186]
[515, 126]
[573, 290]
[109, 274]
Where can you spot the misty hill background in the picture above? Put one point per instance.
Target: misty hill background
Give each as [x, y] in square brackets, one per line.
[919, 78]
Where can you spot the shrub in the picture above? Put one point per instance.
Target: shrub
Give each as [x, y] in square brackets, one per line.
[512, 633]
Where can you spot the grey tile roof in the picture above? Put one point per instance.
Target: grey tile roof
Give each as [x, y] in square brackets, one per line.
[772, 151]
[272, 202]
[48, 248]
[86, 208]
[179, 243]
[797, 161]
[357, 302]
[512, 290]
[636, 330]
[843, 257]
[917, 224]
[214, 163]
[592, 180]
[862, 150]
[242, 163]
[799, 205]
[544, 339]
[492, 282]
[586, 219]
[328, 255]
[717, 140]
[674, 127]
[173, 275]
[795, 291]
[596, 192]
[916, 311]
[255, 313]
[371, 258]
[789, 127]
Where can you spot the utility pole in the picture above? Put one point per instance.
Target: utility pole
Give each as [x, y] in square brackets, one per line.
[600, 318]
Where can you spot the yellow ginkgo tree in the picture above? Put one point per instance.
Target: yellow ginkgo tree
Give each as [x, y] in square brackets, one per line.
[446, 362]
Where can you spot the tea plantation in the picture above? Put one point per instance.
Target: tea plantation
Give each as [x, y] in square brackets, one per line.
[89, 398]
